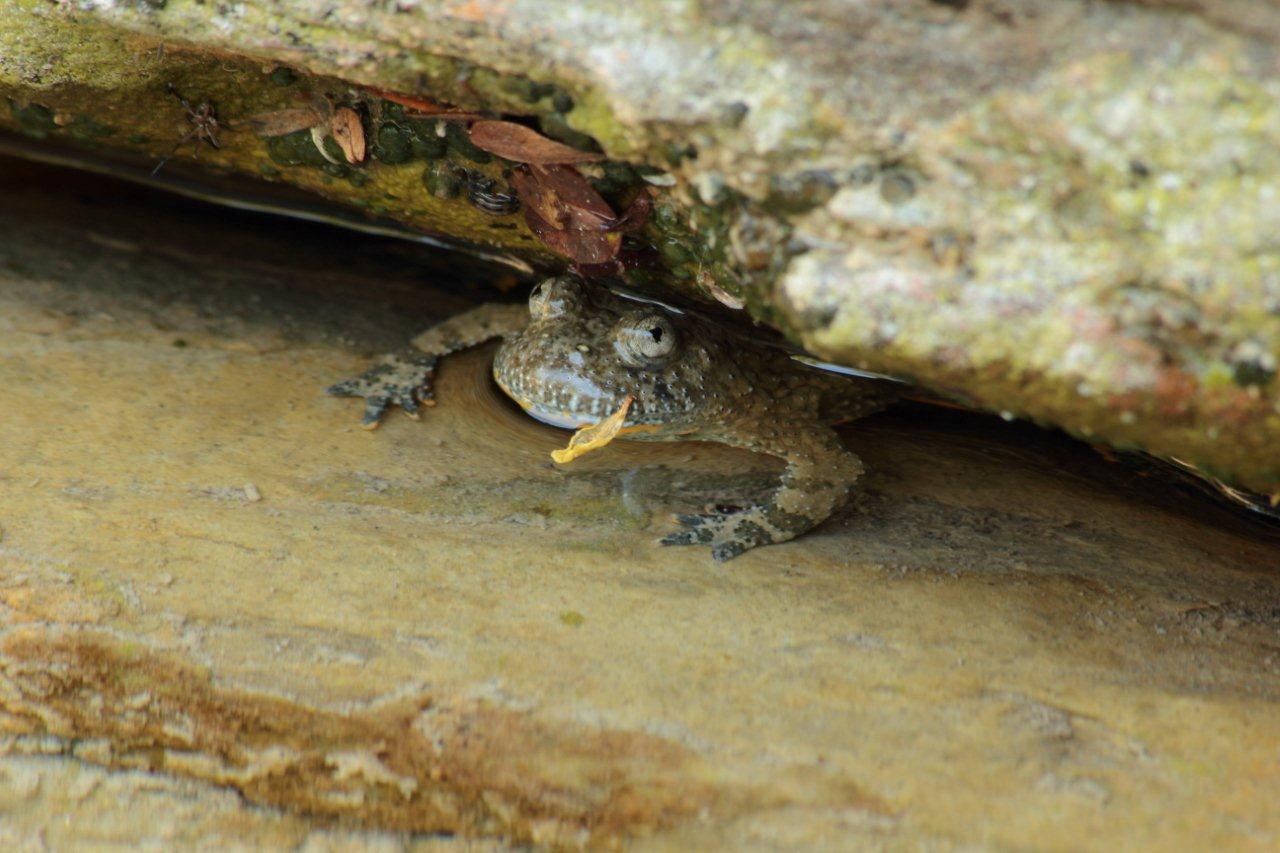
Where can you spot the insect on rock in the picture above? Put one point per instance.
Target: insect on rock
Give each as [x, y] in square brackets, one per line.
[204, 128]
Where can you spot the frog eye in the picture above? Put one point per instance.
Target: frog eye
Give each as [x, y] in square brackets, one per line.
[552, 297]
[645, 340]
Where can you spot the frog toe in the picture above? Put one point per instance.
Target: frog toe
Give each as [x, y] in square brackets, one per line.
[411, 399]
[731, 534]
[698, 529]
[728, 534]
[687, 537]
[744, 531]
[374, 409]
[722, 551]
[402, 380]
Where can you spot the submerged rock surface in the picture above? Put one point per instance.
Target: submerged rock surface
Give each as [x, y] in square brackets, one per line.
[209, 571]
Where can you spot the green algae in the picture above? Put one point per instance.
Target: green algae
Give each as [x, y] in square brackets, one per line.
[572, 619]
[35, 120]
[237, 90]
[138, 109]
[444, 180]
[461, 147]
[283, 76]
[392, 145]
[397, 142]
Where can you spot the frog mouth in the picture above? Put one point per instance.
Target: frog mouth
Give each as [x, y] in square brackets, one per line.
[555, 419]
[539, 412]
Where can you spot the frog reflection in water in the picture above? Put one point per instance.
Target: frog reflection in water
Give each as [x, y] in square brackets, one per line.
[585, 358]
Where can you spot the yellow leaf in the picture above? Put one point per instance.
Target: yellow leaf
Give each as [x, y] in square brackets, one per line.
[595, 436]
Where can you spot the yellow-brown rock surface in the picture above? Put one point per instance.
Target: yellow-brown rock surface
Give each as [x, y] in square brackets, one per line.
[208, 571]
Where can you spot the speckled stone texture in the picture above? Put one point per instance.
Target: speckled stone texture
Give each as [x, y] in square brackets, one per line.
[222, 599]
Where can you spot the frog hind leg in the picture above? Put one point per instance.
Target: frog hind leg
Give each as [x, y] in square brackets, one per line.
[820, 472]
[404, 378]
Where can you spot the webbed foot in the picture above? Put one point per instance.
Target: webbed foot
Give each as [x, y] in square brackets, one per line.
[731, 533]
[402, 379]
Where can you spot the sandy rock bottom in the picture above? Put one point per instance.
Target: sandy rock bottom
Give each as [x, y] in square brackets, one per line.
[231, 616]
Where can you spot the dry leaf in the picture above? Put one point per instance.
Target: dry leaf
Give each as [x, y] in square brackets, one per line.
[281, 122]
[524, 145]
[418, 105]
[585, 207]
[539, 198]
[563, 197]
[566, 213]
[448, 115]
[451, 115]
[636, 214]
[582, 247]
[348, 132]
[422, 108]
[595, 436]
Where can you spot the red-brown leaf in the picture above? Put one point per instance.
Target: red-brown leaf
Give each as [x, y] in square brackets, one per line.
[566, 213]
[524, 145]
[418, 105]
[584, 207]
[579, 246]
[448, 115]
[636, 214]
[281, 122]
[535, 196]
[348, 132]
[422, 108]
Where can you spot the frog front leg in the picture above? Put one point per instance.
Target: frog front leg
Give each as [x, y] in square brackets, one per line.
[404, 378]
[819, 474]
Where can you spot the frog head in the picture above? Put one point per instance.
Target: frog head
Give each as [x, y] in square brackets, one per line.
[586, 349]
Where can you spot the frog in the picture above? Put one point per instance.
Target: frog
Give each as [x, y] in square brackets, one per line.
[583, 357]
